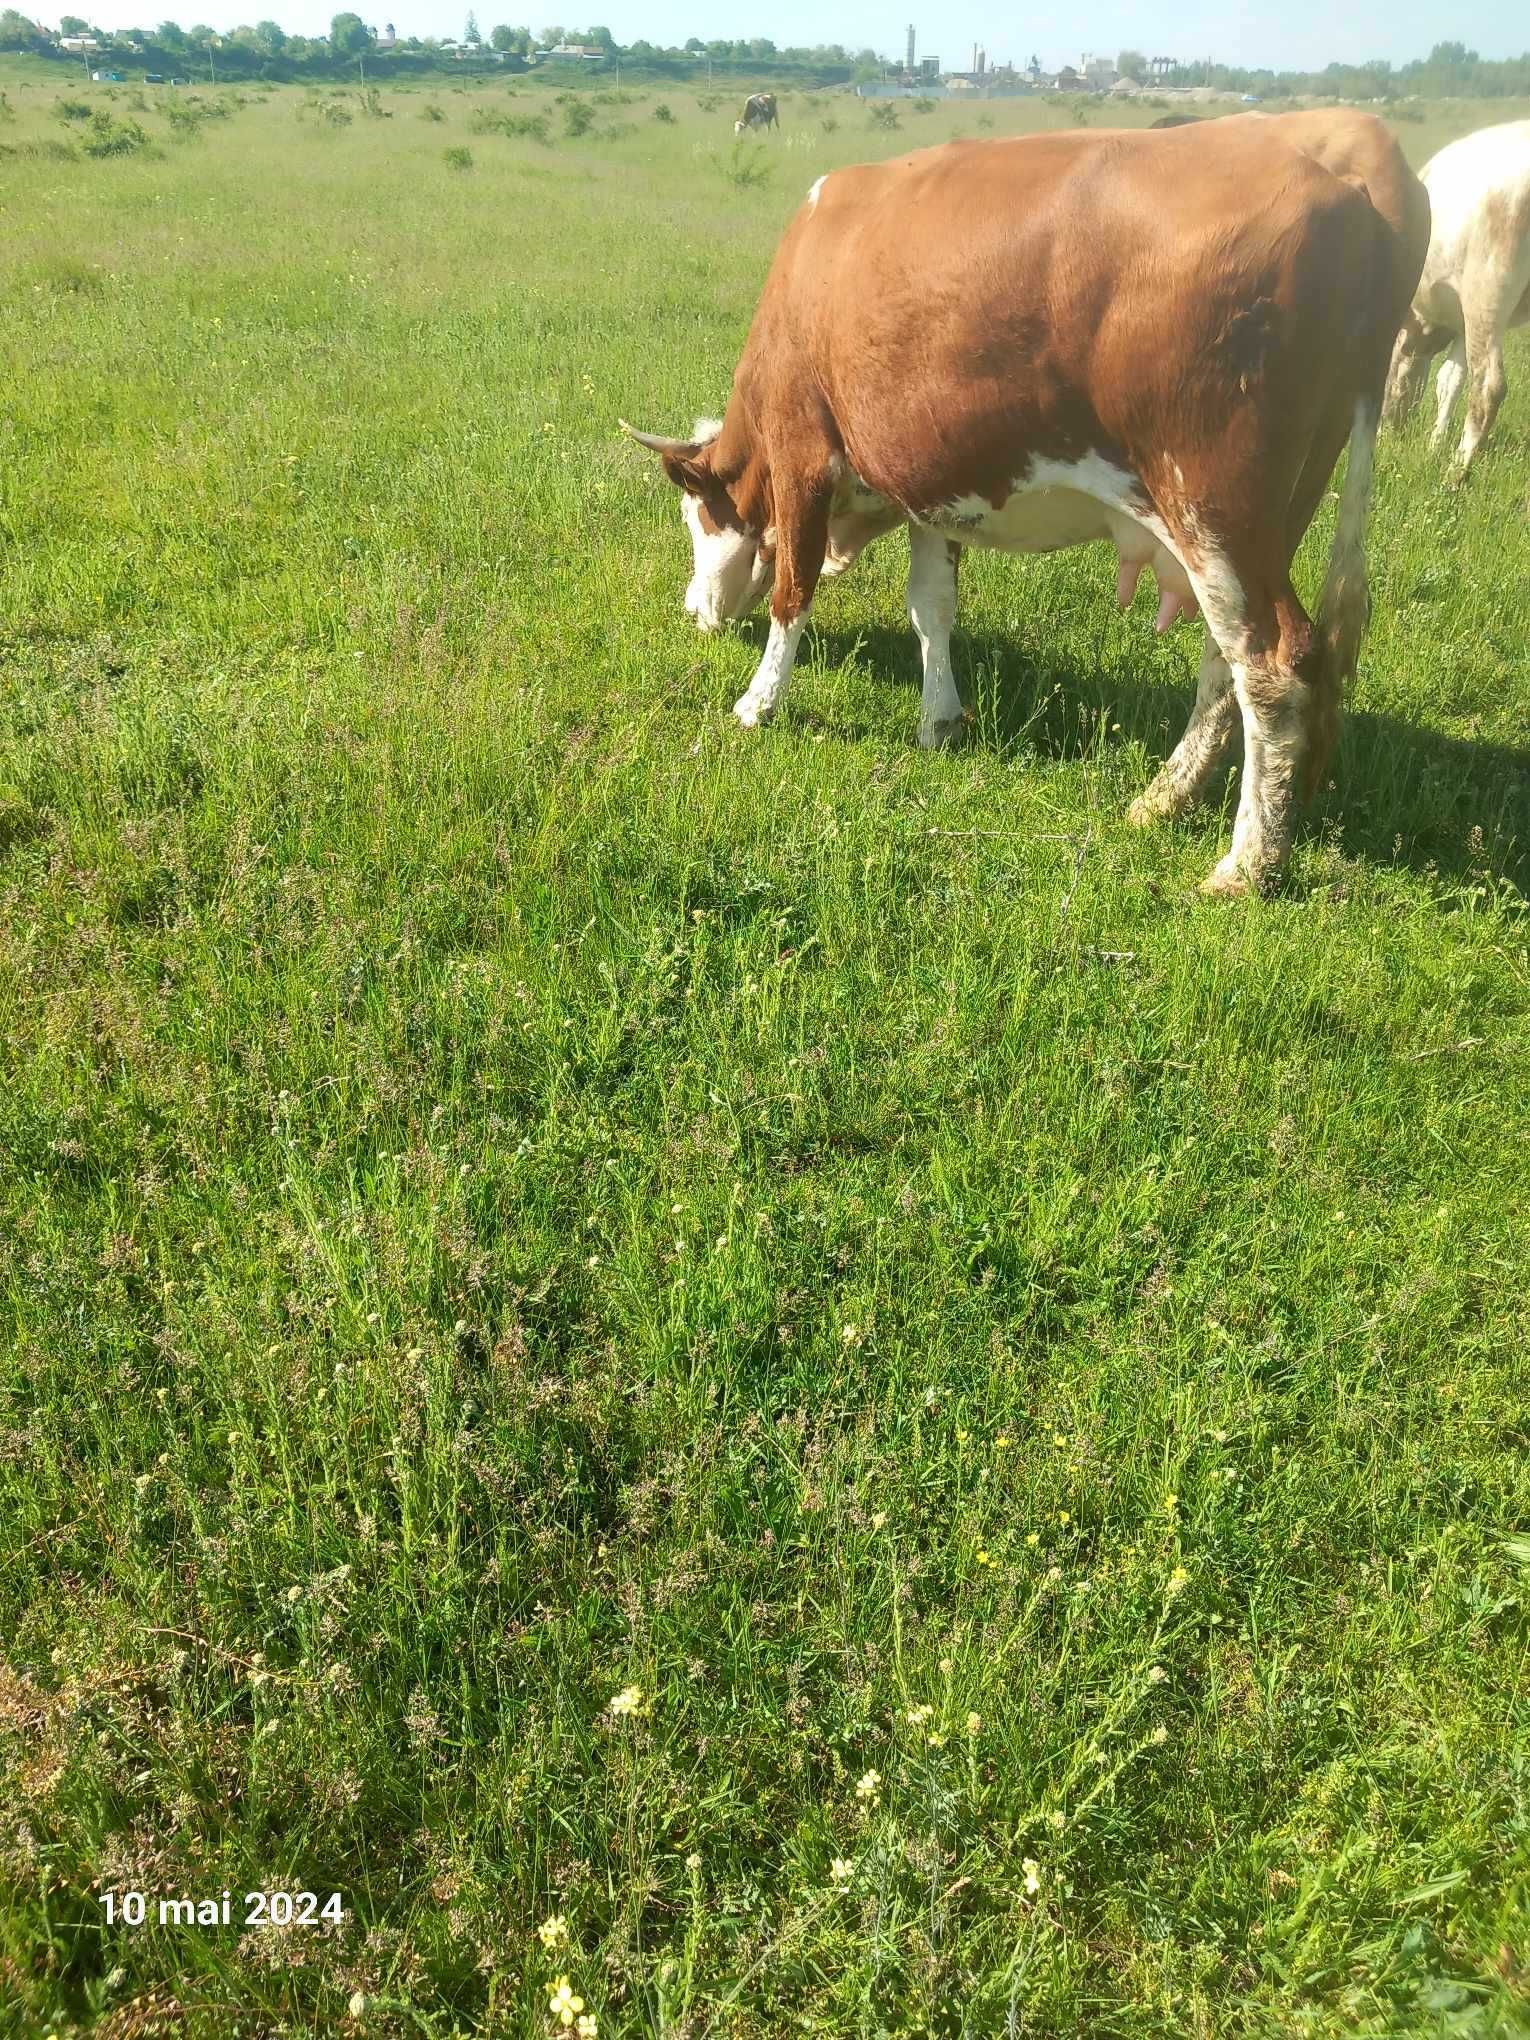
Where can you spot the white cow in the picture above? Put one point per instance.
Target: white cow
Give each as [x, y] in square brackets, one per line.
[1476, 280]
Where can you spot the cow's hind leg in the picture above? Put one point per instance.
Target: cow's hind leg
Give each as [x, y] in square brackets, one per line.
[802, 539]
[1408, 373]
[932, 565]
[1269, 646]
[1487, 385]
[1277, 714]
[1447, 388]
[1201, 751]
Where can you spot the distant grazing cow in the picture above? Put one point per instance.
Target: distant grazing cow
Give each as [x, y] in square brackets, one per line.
[1160, 340]
[1174, 120]
[1476, 280]
[759, 112]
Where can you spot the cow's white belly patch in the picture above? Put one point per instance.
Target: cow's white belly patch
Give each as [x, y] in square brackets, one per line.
[1057, 504]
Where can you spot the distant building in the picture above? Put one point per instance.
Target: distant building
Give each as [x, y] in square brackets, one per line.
[576, 53]
[387, 39]
[78, 43]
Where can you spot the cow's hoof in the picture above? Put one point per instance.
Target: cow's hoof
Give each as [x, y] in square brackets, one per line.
[943, 736]
[1226, 882]
[749, 713]
[1147, 809]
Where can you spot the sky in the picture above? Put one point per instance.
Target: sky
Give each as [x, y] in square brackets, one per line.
[1301, 35]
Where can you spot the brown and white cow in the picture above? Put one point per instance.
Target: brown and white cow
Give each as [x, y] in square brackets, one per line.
[1476, 280]
[1163, 340]
[759, 112]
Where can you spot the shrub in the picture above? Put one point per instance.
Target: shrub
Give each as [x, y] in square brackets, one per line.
[985, 120]
[829, 124]
[7, 111]
[459, 159]
[372, 106]
[71, 109]
[884, 115]
[923, 104]
[431, 112]
[526, 127]
[108, 137]
[662, 113]
[578, 118]
[708, 102]
[746, 167]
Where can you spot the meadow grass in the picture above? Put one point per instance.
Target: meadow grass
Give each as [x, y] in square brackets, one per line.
[520, 1194]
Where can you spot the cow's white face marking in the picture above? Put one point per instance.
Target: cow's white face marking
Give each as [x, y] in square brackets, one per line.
[728, 576]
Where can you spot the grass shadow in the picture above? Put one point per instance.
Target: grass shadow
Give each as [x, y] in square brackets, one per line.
[1397, 792]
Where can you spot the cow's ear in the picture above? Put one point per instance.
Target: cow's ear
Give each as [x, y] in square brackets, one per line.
[687, 471]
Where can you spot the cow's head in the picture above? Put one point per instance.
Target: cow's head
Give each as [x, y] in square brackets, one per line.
[739, 126]
[733, 564]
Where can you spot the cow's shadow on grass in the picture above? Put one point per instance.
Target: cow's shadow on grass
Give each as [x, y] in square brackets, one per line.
[1398, 793]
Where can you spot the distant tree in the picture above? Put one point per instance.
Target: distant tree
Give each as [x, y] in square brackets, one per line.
[270, 39]
[694, 46]
[17, 33]
[71, 24]
[470, 33]
[1132, 64]
[501, 38]
[551, 37]
[600, 38]
[348, 35]
[170, 36]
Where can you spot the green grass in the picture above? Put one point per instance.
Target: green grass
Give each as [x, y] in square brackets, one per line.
[517, 1190]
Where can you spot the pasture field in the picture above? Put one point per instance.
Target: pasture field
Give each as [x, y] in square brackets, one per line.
[519, 1196]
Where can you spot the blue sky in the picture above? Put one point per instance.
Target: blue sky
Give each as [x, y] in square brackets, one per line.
[1301, 35]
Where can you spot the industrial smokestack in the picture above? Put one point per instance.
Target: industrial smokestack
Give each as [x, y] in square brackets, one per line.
[909, 60]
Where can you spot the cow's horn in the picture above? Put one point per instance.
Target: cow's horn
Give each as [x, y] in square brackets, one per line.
[654, 442]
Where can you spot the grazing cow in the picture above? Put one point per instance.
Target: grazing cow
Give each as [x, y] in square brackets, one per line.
[759, 112]
[1476, 281]
[1160, 340]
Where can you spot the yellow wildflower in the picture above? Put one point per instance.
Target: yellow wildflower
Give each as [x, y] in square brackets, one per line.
[562, 2002]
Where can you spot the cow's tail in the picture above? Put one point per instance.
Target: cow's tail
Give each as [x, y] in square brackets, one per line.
[1344, 607]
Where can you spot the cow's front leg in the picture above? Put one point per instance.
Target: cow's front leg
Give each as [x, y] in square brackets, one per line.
[932, 611]
[757, 704]
[802, 538]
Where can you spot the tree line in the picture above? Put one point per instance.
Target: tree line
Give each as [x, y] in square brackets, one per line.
[266, 50]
